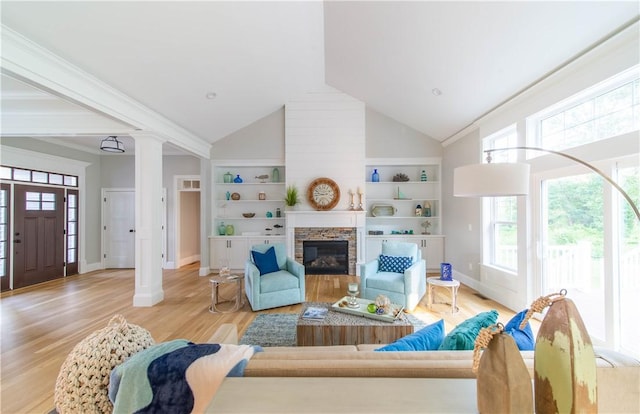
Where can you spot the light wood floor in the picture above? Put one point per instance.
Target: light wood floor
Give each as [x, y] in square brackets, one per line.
[40, 325]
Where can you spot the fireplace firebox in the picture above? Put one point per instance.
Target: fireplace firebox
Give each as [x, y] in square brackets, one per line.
[325, 257]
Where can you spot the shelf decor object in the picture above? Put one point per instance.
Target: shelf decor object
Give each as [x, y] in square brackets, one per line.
[512, 179]
[292, 197]
[383, 210]
[360, 194]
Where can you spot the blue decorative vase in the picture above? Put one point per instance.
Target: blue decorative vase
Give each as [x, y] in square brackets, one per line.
[237, 180]
[375, 177]
[445, 271]
[222, 229]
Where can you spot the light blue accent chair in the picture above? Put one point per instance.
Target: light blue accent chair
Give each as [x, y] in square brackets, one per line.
[271, 290]
[406, 289]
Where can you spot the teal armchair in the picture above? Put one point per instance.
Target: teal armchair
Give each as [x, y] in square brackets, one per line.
[283, 286]
[405, 287]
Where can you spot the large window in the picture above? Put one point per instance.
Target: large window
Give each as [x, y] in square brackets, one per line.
[605, 110]
[589, 236]
[628, 261]
[503, 211]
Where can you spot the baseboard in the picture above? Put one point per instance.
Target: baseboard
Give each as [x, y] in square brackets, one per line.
[148, 299]
[492, 292]
[188, 260]
[86, 268]
[170, 265]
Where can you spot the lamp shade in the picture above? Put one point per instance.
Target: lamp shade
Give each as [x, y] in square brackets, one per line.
[491, 180]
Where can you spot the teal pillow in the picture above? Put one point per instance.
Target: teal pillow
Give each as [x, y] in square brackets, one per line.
[265, 262]
[523, 337]
[463, 336]
[428, 338]
[395, 264]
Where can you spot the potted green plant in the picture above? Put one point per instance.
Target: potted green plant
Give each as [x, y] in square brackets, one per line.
[292, 197]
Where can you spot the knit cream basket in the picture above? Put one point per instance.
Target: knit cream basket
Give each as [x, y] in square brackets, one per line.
[83, 381]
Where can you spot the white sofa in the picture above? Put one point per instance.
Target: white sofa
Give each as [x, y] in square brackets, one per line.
[308, 368]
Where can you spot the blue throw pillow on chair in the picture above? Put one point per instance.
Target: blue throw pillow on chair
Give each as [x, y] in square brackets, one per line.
[395, 264]
[265, 262]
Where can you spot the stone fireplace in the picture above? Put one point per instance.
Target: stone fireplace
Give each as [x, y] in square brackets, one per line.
[327, 226]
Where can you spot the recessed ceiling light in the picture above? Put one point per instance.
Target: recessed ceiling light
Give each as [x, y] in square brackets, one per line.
[211, 95]
[436, 91]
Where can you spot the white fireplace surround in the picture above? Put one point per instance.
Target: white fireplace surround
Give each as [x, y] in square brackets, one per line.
[327, 219]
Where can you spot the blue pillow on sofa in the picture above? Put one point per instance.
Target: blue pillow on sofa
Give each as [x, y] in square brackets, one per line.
[395, 264]
[524, 337]
[265, 262]
[428, 338]
[463, 336]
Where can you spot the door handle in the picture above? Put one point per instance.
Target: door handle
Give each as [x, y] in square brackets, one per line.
[17, 241]
[132, 231]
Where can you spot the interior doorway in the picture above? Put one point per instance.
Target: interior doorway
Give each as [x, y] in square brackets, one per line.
[187, 237]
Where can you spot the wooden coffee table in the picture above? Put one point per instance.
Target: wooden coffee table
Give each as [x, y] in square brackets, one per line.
[339, 328]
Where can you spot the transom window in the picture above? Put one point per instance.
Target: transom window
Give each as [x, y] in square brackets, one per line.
[605, 110]
[39, 177]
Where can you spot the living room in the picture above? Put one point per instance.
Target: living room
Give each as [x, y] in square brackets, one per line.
[384, 137]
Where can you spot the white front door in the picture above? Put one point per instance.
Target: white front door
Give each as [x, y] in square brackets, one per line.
[119, 228]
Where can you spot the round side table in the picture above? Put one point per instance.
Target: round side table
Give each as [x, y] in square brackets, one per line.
[216, 281]
[433, 282]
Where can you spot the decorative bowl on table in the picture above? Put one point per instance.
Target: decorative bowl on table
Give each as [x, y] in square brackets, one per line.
[248, 215]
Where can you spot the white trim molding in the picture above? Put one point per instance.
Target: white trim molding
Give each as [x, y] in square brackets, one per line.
[26, 60]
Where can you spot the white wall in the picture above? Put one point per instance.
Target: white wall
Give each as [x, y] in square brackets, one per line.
[325, 137]
[261, 139]
[462, 218]
[388, 138]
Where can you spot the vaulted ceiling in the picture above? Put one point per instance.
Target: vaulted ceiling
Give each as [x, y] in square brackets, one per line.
[254, 56]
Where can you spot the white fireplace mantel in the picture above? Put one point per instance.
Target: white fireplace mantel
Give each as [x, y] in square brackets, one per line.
[327, 219]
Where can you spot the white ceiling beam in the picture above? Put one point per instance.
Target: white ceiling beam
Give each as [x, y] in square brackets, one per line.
[28, 61]
[60, 124]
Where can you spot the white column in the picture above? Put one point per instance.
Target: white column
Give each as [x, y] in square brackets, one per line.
[148, 171]
[205, 215]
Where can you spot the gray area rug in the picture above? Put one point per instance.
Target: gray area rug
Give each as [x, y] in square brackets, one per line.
[279, 329]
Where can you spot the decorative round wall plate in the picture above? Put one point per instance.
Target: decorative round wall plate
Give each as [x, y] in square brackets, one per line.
[323, 193]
